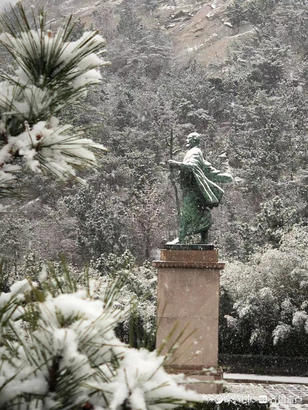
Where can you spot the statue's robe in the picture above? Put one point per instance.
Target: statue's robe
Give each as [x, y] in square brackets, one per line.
[200, 192]
[205, 175]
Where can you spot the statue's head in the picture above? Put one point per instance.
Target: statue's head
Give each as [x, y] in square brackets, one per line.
[193, 140]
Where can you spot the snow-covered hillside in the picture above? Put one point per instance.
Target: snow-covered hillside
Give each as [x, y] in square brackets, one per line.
[199, 29]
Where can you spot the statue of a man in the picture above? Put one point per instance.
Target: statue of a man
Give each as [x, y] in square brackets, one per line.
[200, 190]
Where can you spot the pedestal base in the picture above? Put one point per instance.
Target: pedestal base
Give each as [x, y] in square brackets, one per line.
[188, 303]
[204, 382]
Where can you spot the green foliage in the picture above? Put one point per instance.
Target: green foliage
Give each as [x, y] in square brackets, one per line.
[50, 62]
[268, 227]
[255, 113]
[137, 298]
[264, 364]
[12, 234]
[252, 110]
[256, 12]
[59, 350]
[102, 222]
[4, 275]
[109, 221]
[269, 294]
[139, 284]
[50, 72]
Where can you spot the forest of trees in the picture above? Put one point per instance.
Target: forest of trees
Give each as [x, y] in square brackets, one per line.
[252, 114]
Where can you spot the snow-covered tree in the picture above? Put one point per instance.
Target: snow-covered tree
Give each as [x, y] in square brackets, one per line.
[138, 290]
[59, 351]
[269, 293]
[57, 342]
[50, 72]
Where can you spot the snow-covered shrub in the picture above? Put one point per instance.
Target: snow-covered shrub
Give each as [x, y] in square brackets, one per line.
[270, 303]
[139, 286]
[138, 289]
[59, 351]
[50, 72]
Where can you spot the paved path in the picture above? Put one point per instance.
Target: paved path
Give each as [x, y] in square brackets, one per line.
[250, 378]
[284, 393]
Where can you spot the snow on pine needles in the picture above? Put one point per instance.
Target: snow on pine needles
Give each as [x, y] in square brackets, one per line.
[59, 351]
[50, 72]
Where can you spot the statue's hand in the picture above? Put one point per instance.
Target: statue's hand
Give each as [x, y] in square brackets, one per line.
[227, 177]
[173, 163]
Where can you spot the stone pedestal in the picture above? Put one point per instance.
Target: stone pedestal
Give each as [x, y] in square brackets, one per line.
[188, 298]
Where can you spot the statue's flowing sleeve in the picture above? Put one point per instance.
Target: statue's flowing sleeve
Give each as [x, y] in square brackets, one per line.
[204, 175]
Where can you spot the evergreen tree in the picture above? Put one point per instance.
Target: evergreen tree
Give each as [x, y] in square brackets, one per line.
[59, 350]
[50, 72]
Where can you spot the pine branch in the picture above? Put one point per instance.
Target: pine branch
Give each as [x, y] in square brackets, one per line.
[52, 72]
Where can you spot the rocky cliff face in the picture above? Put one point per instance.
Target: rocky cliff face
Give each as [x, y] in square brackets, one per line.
[199, 29]
[207, 35]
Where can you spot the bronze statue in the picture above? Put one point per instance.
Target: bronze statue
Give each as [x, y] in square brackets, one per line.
[200, 192]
